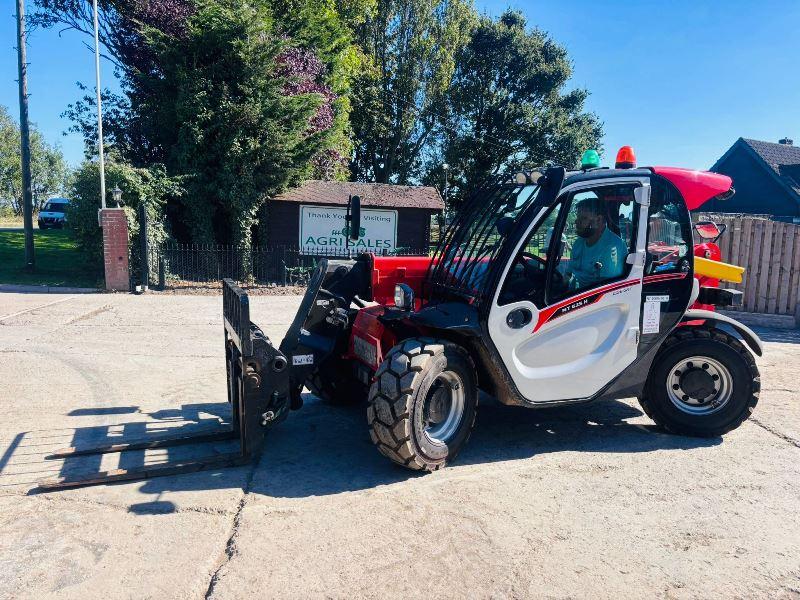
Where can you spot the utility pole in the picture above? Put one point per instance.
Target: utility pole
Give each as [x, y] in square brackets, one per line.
[25, 139]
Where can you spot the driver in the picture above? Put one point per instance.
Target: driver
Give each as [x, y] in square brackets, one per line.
[598, 254]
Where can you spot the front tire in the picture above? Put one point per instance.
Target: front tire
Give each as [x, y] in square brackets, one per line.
[422, 404]
[703, 383]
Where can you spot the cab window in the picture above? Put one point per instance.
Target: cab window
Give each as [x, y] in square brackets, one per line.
[581, 243]
[598, 235]
[527, 277]
[669, 233]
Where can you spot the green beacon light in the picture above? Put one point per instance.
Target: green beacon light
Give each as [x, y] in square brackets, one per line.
[590, 160]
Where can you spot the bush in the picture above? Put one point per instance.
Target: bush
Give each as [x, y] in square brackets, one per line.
[6, 210]
[150, 186]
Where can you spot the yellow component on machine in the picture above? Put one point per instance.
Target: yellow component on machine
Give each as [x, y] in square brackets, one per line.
[718, 270]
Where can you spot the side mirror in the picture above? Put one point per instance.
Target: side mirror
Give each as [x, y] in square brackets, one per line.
[354, 217]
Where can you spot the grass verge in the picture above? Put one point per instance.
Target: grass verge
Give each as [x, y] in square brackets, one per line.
[58, 261]
[13, 221]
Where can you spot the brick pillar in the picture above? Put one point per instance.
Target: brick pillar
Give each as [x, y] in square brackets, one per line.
[115, 249]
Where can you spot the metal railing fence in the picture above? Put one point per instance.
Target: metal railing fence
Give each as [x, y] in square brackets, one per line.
[174, 264]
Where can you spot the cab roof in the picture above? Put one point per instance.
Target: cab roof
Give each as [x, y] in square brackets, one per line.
[696, 187]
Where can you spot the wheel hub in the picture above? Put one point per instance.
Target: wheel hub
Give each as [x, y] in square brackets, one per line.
[699, 385]
[439, 404]
[443, 408]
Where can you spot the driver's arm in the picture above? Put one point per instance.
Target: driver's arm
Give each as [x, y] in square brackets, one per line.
[614, 260]
[570, 268]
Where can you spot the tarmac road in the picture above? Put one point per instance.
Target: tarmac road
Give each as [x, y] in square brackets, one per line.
[587, 501]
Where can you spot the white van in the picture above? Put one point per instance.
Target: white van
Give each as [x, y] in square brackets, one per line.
[53, 213]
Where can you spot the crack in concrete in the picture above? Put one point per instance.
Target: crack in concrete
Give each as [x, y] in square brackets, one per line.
[230, 551]
[776, 433]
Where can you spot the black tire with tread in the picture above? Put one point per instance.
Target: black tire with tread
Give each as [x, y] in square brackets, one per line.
[397, 397]
[692, 340]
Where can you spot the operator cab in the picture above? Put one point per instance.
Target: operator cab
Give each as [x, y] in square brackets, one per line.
[576, 275]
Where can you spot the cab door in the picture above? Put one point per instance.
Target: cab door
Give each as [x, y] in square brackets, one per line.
[565, 317]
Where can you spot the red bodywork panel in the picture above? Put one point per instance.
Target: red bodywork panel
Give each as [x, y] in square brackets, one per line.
[710, 251]
[387, 271]
[370, 340]
[696, 187]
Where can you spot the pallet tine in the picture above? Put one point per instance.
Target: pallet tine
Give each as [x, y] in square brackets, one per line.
[167, 442]
[169, 468]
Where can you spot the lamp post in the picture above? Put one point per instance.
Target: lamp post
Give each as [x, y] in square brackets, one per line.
[116, 193]
[99, 109]
[445, 168]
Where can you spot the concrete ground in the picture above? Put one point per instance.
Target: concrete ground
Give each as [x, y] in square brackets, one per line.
[578, 502]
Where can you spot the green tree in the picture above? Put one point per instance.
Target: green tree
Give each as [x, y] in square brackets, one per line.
[243, 108]
[399, 100]
[509, 107]
[49, 171]
[238, 99]
[151, 187]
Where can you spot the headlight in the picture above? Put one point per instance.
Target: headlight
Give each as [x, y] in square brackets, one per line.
[403, 296]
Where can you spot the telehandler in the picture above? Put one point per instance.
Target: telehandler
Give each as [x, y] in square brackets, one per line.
[549, 287]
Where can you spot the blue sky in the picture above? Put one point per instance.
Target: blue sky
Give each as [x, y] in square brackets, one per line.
[679, 80]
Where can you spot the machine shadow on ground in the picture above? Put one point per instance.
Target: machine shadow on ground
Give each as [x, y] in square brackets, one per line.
[24, 460]
[781, 336]
[324, 449]
[329, 451]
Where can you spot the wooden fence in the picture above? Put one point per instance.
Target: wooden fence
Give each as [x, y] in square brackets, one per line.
[770, 253]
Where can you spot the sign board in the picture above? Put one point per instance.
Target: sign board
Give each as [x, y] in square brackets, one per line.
[323, 230]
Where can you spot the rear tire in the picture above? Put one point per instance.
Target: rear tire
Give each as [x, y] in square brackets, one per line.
[423, 403]
[703, 383]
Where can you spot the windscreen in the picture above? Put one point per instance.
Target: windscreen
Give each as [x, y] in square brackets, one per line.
[474, 237]
[54, 207]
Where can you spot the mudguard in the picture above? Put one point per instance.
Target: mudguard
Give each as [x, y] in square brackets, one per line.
[747, 334]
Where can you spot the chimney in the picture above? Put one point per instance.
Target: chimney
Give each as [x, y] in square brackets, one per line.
[786, 141]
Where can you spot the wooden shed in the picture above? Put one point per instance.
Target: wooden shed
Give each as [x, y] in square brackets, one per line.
[311, 216]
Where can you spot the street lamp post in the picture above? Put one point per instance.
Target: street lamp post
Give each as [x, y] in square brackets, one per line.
[445, 168]
[116, 193]
[99, 109]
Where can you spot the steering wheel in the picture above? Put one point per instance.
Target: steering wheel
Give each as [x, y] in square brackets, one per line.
[541, 264]
[539, 269]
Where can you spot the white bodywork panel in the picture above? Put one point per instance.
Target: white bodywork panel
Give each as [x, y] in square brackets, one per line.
[573, 354]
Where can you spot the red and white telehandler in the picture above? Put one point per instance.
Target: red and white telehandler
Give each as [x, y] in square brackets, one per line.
[549, 287]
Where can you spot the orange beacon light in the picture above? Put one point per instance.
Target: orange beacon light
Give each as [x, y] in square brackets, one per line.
[626, 159]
